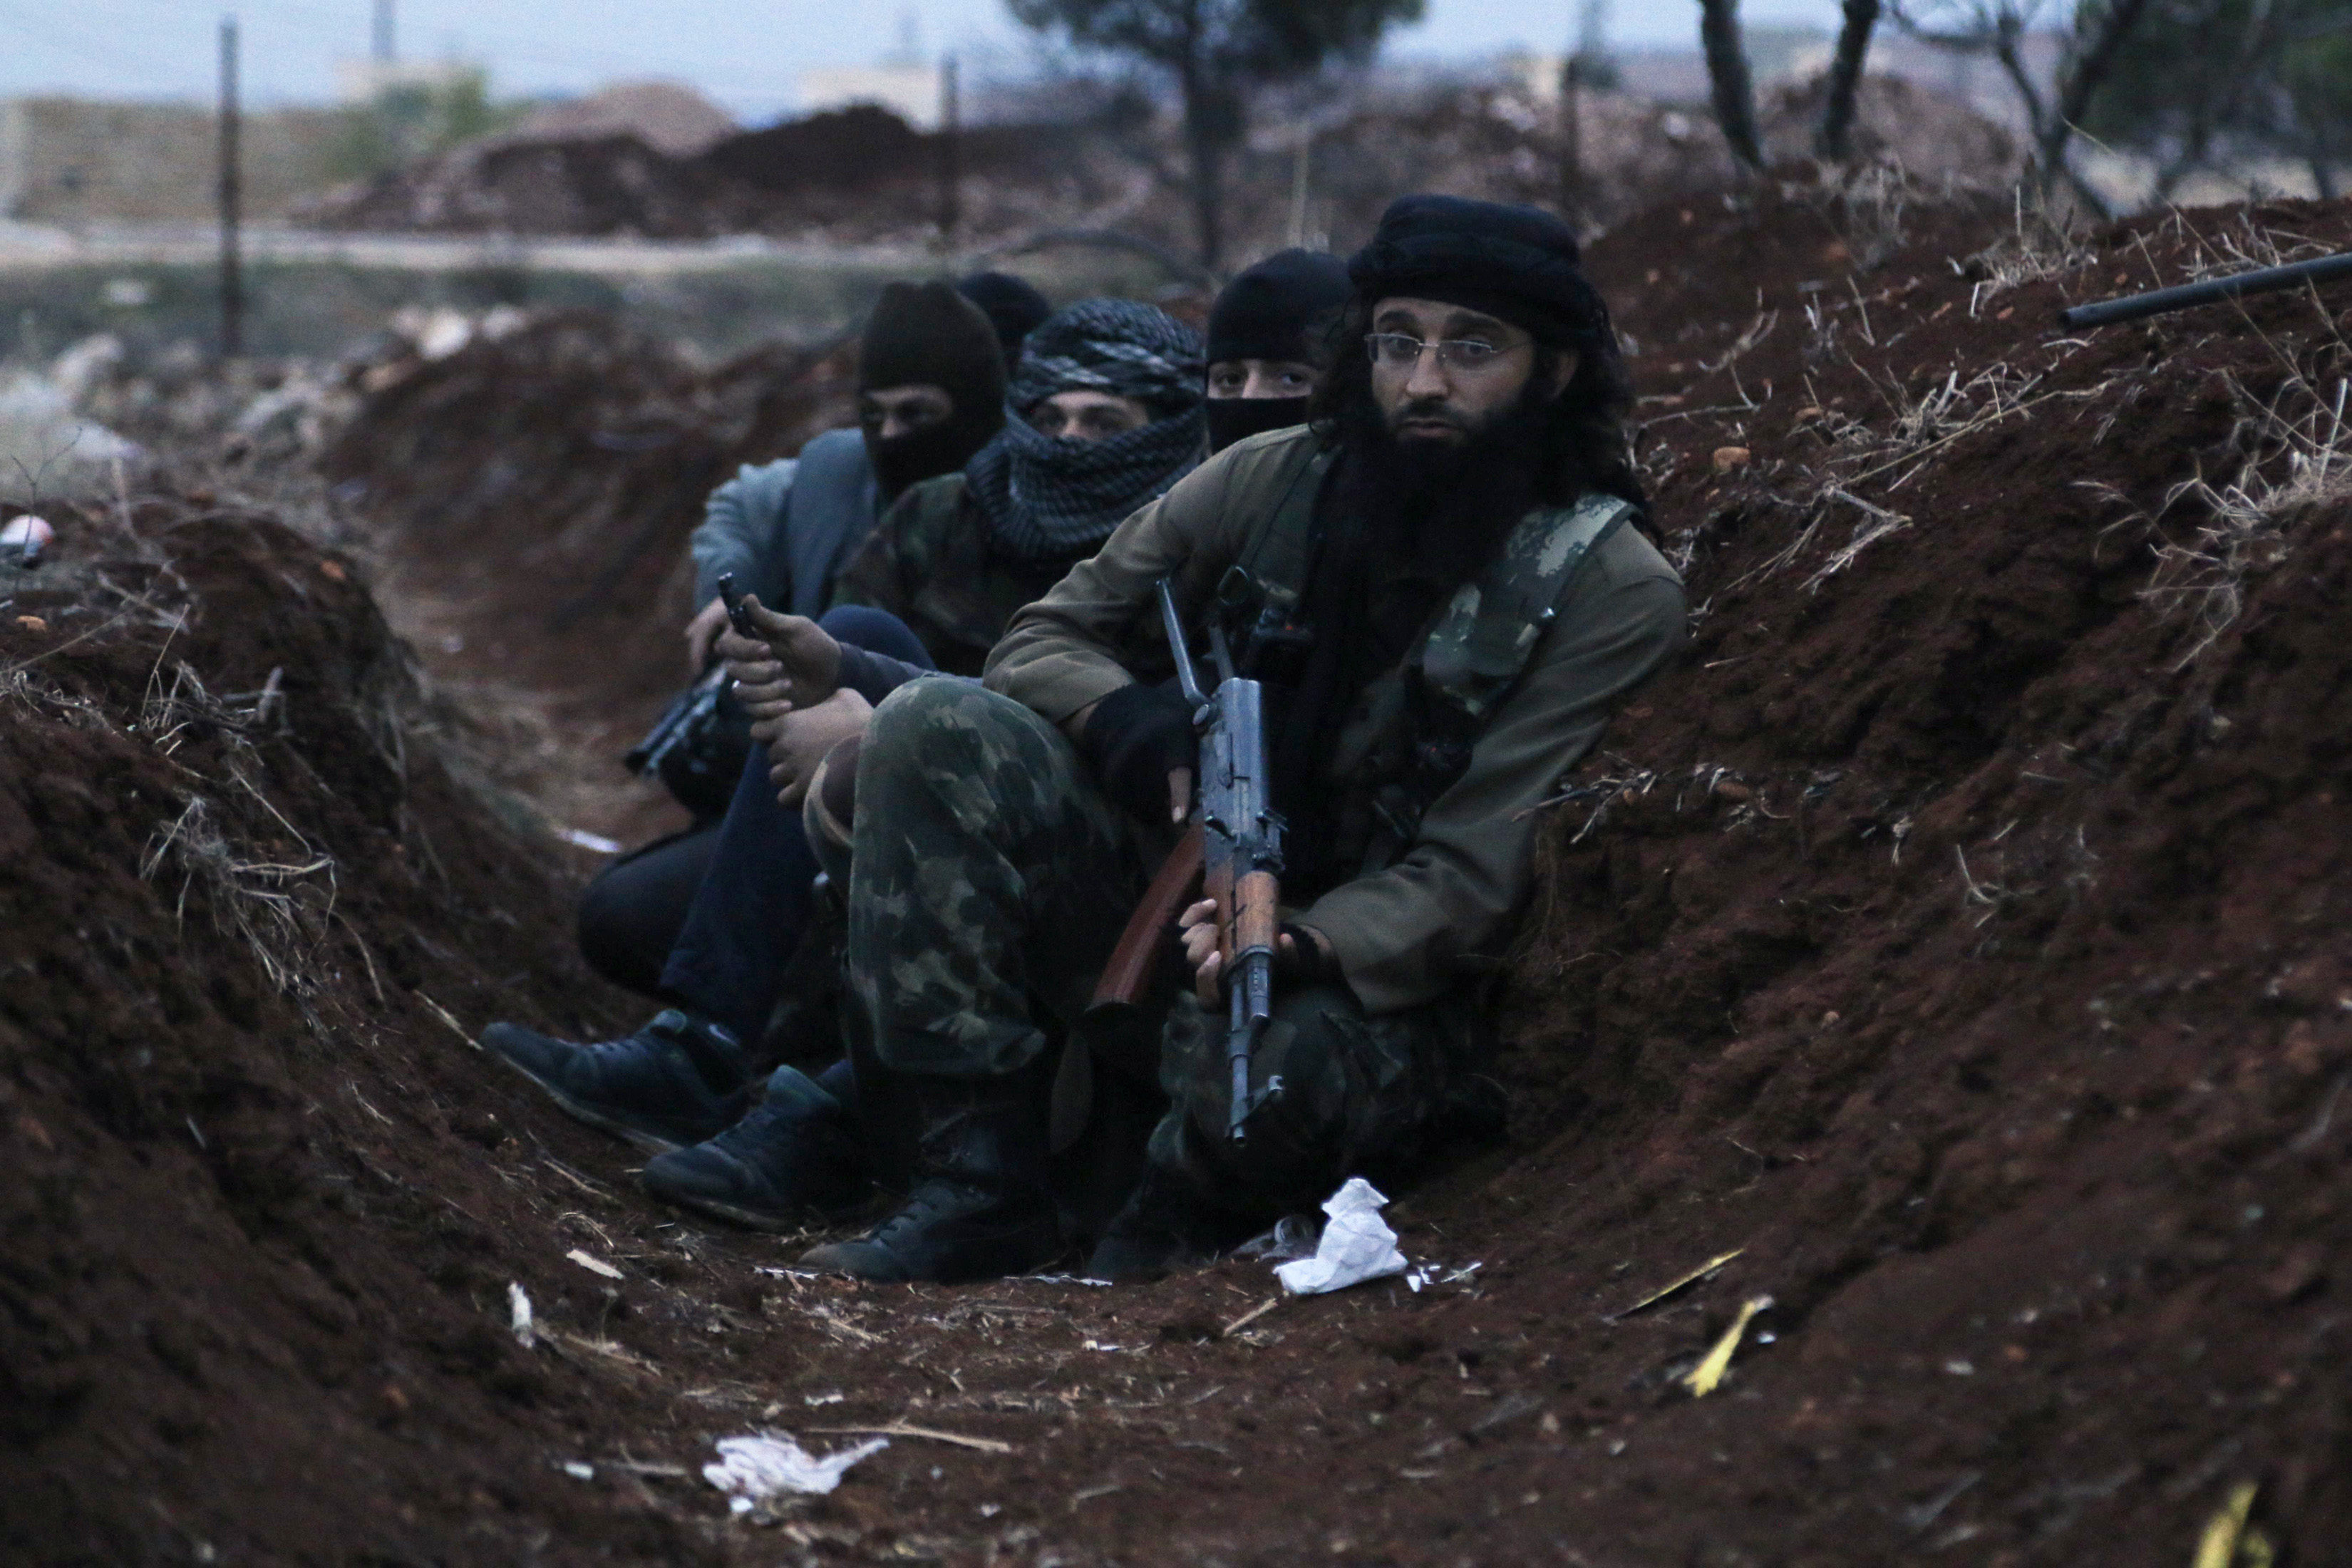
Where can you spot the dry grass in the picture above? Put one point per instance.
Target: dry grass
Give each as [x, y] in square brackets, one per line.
[2299, 460]
[279, 906]
[2041, 244]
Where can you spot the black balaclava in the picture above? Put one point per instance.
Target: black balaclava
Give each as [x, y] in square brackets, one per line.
[928, 335]
[1012, 306]
[1281, 309]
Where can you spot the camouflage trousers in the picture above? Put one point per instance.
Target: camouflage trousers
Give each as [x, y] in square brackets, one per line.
[989, 881]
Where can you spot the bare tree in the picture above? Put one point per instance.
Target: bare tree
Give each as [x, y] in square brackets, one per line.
[1726, 73]
[2086, 60]
[2204, 83]
[1216, 50]
[1833, 139]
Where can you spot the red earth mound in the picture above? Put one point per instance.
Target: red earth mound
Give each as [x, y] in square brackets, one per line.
[531, 498]
[1953, 938]
[245, 884]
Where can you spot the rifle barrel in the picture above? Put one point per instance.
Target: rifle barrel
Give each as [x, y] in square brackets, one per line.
[2158, 302]
[1176, 648]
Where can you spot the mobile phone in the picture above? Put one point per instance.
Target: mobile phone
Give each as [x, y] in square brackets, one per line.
[736, 614]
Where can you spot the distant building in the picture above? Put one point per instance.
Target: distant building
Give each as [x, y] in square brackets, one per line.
[70, 162]
[669, 116]
[365, 81]
[912, 92]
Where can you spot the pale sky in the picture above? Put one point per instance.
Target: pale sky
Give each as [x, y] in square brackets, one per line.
[742, 53]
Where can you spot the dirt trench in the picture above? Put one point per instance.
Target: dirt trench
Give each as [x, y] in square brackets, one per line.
[1953, 938]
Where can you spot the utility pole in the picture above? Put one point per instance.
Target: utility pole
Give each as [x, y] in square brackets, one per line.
[951, 166]
[1586, 67]
[385, 52]
[232, 289]
[1302, 157]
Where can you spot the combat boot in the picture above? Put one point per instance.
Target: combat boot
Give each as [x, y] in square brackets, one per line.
[676, 1081]
[1163, 1227]
[981, 1208]
[791, 1163]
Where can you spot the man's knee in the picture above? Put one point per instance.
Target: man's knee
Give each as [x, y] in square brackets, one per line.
[946, 722]
[949, 746]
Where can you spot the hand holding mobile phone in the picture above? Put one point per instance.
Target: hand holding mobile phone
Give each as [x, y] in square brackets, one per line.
[736, 615]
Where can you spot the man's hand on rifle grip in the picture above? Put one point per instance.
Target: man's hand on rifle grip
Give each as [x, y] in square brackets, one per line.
[1197, 927]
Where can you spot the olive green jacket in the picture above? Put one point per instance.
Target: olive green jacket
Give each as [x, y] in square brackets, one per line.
[1440, 913]
[929, 563]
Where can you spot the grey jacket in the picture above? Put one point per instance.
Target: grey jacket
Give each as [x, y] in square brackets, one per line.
[786, 529]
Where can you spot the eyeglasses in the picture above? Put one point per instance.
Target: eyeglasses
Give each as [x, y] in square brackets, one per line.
[1401, 350]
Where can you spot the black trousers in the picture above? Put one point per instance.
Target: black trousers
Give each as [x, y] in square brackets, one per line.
[709, 919]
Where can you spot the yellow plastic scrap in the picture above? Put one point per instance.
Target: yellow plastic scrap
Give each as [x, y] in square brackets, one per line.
[1701, 1379]
[2218, 1547]
[1663, 1291]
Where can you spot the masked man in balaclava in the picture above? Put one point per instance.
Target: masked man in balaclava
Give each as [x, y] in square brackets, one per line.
[707, 919]
[1270, 342]
[1103, 416]
[1439, 584]
[931, 394]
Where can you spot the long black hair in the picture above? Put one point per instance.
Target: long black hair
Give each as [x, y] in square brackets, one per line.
[1584, 444]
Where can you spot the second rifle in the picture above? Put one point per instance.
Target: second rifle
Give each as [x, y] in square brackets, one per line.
[1240, 850]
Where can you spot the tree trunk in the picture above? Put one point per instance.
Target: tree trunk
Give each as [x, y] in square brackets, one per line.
[1204, 149]
[1726, 73]
[2078, 85]
[1834, 140]
[1571, 140]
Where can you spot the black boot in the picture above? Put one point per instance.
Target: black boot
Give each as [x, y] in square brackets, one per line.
[981, 1208]
[1162, 1227]
[791, 1163]
[679, 1081]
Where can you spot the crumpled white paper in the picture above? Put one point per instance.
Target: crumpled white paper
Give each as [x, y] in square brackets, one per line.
[1357, 1245]
[519, 1315]
[757, 1467]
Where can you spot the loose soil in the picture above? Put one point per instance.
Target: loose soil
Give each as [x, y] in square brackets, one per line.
[1954, 937]
[529, 500]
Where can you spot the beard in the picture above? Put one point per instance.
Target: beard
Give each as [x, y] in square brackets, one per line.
[1445, 505]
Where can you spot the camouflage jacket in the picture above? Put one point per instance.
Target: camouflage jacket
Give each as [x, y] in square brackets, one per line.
[929, 563]
[1437, 913]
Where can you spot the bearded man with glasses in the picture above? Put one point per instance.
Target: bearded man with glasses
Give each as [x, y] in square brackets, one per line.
[1442, 584]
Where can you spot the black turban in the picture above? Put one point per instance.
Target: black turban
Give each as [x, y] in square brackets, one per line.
[1518, 263]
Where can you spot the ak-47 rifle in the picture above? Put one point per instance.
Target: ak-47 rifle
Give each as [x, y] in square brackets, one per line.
[1241, 849]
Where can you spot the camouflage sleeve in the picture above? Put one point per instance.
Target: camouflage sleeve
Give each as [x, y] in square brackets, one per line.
[1407, 934]
[1078, 644]
[883, 571]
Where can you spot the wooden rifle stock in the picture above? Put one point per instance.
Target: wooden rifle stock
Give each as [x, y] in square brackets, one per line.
[1128, 972]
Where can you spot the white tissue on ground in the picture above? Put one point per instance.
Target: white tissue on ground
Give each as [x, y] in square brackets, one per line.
[755, 1468]
[1357, 1244]
[519, 1315]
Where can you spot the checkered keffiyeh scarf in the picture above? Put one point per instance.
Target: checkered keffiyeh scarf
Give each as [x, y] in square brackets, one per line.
[1044, 497]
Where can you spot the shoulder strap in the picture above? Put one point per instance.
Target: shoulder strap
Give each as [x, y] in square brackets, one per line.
[1481, 643]
[1278, 555]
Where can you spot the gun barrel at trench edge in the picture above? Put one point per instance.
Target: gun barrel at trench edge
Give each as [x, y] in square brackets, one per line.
[2162, 302]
